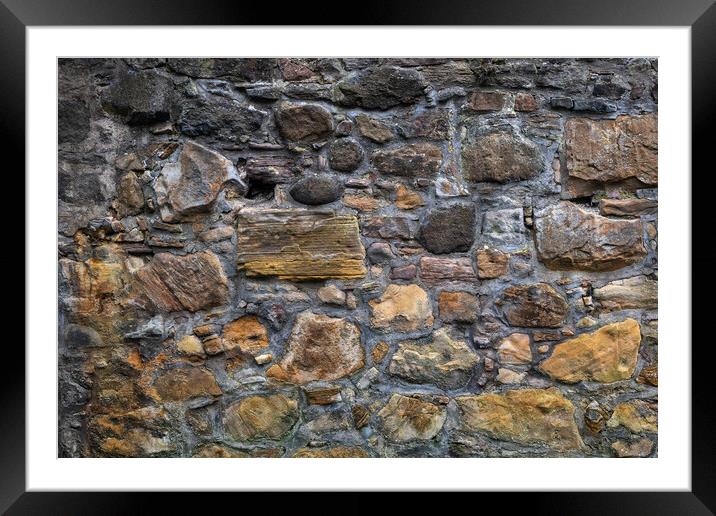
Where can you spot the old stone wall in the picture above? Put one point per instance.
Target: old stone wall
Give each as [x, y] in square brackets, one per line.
[357, 257]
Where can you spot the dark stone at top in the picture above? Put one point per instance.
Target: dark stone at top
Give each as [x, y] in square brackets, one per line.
[142, 97]
[381, 88]
[315, 190]
[450, 229]
[73, 120]
[219, 116]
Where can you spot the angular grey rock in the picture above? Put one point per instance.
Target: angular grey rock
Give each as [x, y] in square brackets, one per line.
[192, 184]
[504, 228]
[381, 88]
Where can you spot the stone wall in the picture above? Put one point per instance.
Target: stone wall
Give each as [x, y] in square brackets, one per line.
[357, 257]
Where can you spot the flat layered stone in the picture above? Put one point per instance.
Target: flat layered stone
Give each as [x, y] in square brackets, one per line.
[438, 270]
[320, 348]
[627, 207]
[405, 418]
[381, 87]
[501, 157]
[336, 452]
[525, 416]
[401, 308]
[570, 238]
[444, 361]
[608, 151]
[536, 305]
[192, 184]
[606, 355]
[637, 292]
[261, 417]
[409, 160]
[299, 245]
[191, 282]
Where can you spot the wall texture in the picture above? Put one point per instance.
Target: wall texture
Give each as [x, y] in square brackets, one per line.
[357, 257]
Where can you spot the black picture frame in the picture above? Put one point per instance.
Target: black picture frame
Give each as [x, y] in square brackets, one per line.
[16, 15]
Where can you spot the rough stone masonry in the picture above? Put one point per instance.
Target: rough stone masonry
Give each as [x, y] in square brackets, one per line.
[357, 257]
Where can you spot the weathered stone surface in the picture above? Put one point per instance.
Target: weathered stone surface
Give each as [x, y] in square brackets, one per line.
[261, 417]
[491, 263]
[638, 448]
[320, 348]
[380, 252]
[272, 169]
[444, 361]
[186, 383]
[247, 334]
[525, 102]
[142, 97]
[404, 272]
[606, 355]
[504, 228]
[374, 129]
[449, 229]
[304, 123]
[299, 245]
[191, 282]
[433, 125]
[612, 150]
[190, 345]
[638, 416]
[314, 190]
[379, 351]
[570, 238]
[404, 419]
[191, 184]
[407, 199]
[130, 199]
[332, 295]
[535, 305]
[345, 154]
[401, 308]
[381, 87]
[501, 156]
[515, 349]
[323, 395]
[409, 160]
[402, 228]
[485, 101]
[636, 292]
[649, 375]
[627, 207]
[458, 307]
[439, 270]
[337, 452]
[219, 117]
[525, 416]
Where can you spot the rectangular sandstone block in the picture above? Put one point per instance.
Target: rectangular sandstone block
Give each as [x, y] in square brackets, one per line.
[299, 245]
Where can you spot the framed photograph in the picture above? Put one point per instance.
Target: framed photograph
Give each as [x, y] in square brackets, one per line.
[419, 252]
